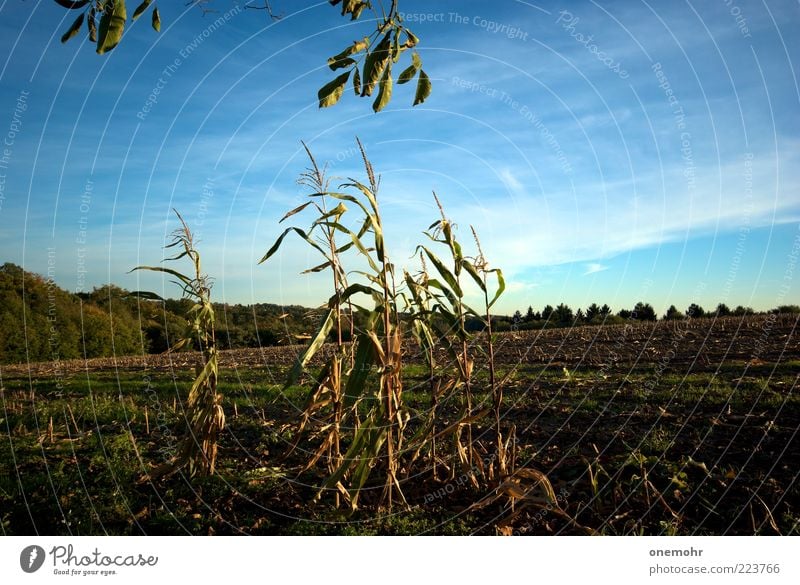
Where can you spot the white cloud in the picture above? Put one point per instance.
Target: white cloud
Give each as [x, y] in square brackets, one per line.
[594, 268]
[511, 182]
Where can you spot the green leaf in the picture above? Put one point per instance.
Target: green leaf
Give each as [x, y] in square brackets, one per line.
[92, 25]
[501, 285]
[300, 233]
[423, 88]
[407, 75]
[112, 23]
[146, 295]
[156, 21]
[356, 288]
[451, 280]
[375, 63]
[330, 93]
[385, 92]
[184, 279]
[396, 50]
[73, 30]
[363, 361]
[210, 367]
[338, 61]
[346, 62]
[358, 10]
[140, 9]
[473, 272]
[297, 209]
[316, 343]
[319, 268]
[356, 82]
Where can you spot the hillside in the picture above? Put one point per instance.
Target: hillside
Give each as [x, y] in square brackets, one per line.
[40, 321]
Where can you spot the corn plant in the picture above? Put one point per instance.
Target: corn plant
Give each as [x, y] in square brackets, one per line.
[328, 388]
[420, 301]
[482, 270]
[451, 308]
[376, 350]
[204, 414]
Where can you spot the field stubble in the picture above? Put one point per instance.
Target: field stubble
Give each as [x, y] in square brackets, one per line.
[686, 427]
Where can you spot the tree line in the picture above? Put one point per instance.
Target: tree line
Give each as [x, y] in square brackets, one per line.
[564, 316]
[40, 321]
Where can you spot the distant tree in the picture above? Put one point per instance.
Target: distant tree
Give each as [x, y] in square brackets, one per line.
[673, 314]
[547, 312]
[722, 310]
[695, 311]
[563, 314]
[740, 311]
[605, 311]
[580, 317]
[644, 312]
[624, 314]
[592, 311]
[530, 315]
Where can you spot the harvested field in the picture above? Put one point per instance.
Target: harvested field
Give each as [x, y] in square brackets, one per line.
[669, 428]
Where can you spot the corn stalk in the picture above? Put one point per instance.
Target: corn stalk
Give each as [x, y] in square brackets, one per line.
[453, 310]
[204, 413]
[480, 271]
[377, 440]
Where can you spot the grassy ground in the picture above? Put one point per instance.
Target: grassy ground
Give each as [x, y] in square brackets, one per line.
[644, 446]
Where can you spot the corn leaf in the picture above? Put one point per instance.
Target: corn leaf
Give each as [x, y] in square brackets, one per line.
[184, 279]
[330, 93]
[140, 9]
[385, 91]
[299, 232]
[311, 349]
[73, 30]
[112, 24]
[375, 63]
[423, 88]
[445, 273]
[501, 285]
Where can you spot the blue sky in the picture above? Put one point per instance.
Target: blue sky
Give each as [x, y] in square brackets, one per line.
[605, 152]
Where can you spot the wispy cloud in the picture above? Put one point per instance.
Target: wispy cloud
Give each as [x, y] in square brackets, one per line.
[594, 268]
[511, 182]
